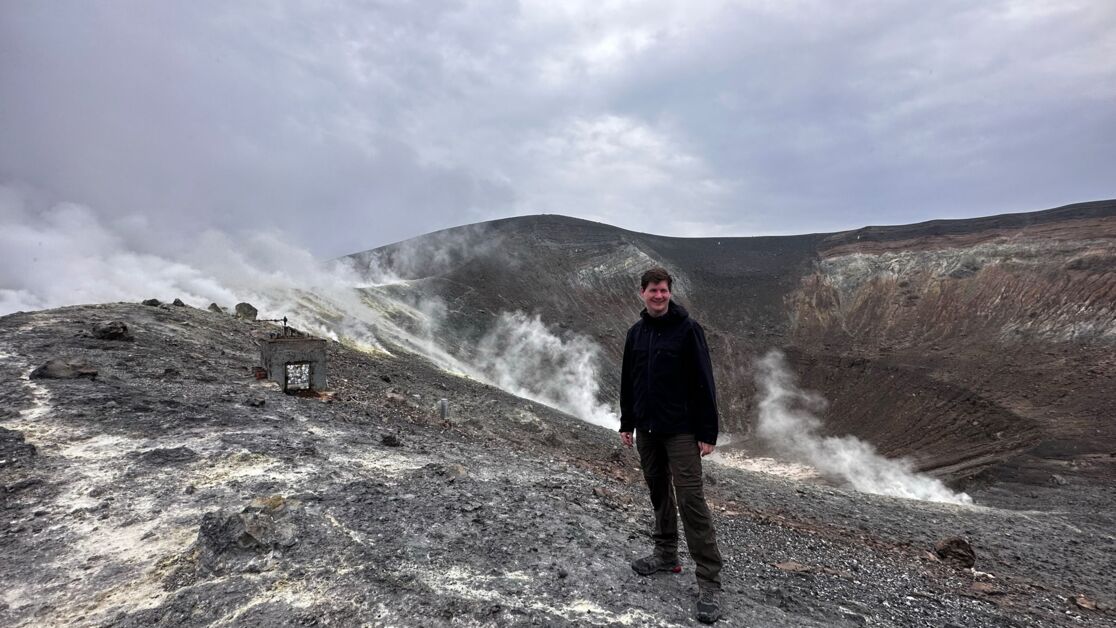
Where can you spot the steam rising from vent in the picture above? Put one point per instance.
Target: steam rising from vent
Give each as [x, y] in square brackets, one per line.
[789, 423]
[68, 254]
[520, 355]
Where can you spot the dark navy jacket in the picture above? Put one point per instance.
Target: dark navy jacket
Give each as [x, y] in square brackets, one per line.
[666, 382]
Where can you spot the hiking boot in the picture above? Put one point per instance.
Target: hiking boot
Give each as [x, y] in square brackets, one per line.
[708, 605]
[650, 564]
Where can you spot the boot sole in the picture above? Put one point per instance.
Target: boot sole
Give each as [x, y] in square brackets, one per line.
[674, 569]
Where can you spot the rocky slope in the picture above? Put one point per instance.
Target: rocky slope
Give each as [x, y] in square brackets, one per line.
[967, 345]
[159, 483]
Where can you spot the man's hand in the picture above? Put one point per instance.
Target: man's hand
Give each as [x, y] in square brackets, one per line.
[626, 438]
[706, 448]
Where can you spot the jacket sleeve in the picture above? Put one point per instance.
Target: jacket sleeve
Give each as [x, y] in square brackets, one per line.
[627, 413]
[703, 391]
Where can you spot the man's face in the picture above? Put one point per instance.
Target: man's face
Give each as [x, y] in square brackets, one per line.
[656, 297]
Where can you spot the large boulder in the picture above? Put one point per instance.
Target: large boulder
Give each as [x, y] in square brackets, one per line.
[246, 311]
[956, 551]
[213, 307]
[112, 330]
[64, 369]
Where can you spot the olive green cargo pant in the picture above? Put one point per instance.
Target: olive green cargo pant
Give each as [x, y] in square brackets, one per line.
[672, 467]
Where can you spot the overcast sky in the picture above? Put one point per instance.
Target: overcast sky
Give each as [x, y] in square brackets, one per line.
[348, 125]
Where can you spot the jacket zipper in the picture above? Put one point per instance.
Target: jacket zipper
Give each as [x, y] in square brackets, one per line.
[650, 359]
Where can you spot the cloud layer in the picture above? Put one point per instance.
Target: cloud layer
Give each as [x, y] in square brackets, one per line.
[350, 125]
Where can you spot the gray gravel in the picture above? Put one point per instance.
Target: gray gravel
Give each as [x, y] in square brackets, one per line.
[163, 492]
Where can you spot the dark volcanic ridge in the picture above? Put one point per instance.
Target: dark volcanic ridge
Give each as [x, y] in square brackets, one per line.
[979, 348]
[171, 487]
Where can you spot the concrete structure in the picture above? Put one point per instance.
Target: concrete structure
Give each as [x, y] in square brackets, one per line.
[295, 360]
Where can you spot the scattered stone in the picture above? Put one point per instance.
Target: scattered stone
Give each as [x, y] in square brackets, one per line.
[190, 489]
[792, 566]
[153, 302]
[956, 551]
[780, 597]
[22, 485]
[112, 330]
[255, 402]
[851, 616]
[217, 309]
[450, 471]
[13, 446]
[562, 573]
[64, 369]
[167, 456]
[227, 542]
[1085, 602]
[246, 311]
[385, 378]
[1058, 480]
[986, 588]
[178, 302]
[391, 440]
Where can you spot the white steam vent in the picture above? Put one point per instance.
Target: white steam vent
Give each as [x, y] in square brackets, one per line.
[522, 356]
[788, 423]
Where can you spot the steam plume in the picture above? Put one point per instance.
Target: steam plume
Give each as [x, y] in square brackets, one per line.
[68, 254]
[520, 355]
[787, 422]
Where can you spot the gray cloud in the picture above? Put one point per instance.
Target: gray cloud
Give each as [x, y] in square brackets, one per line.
[351, 125]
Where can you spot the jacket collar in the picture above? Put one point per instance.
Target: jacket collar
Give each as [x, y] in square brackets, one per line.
[675, 313]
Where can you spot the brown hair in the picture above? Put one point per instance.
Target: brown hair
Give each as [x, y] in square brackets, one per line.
[655, 275]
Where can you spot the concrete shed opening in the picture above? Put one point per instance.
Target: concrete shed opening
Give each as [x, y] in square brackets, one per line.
[295, 360]
[298, 375]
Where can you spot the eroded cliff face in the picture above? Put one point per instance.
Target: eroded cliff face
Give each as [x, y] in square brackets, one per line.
[997, 340]
[1050, 284]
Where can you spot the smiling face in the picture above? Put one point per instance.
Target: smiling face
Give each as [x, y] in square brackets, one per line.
[656, 296]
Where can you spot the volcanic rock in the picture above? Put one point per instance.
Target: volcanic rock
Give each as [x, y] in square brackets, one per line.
[23, 485]
[13, 446]
[112, 330]
[245, 311]
[152, 302]
[229, 541]
[166, 456]
[213, 307]
[956, 551]
[64, 369]
[178, 302]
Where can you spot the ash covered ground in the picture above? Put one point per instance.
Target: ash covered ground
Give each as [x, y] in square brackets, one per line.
[170, 487]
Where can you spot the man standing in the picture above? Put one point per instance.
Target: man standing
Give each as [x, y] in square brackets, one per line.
[667, 397]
